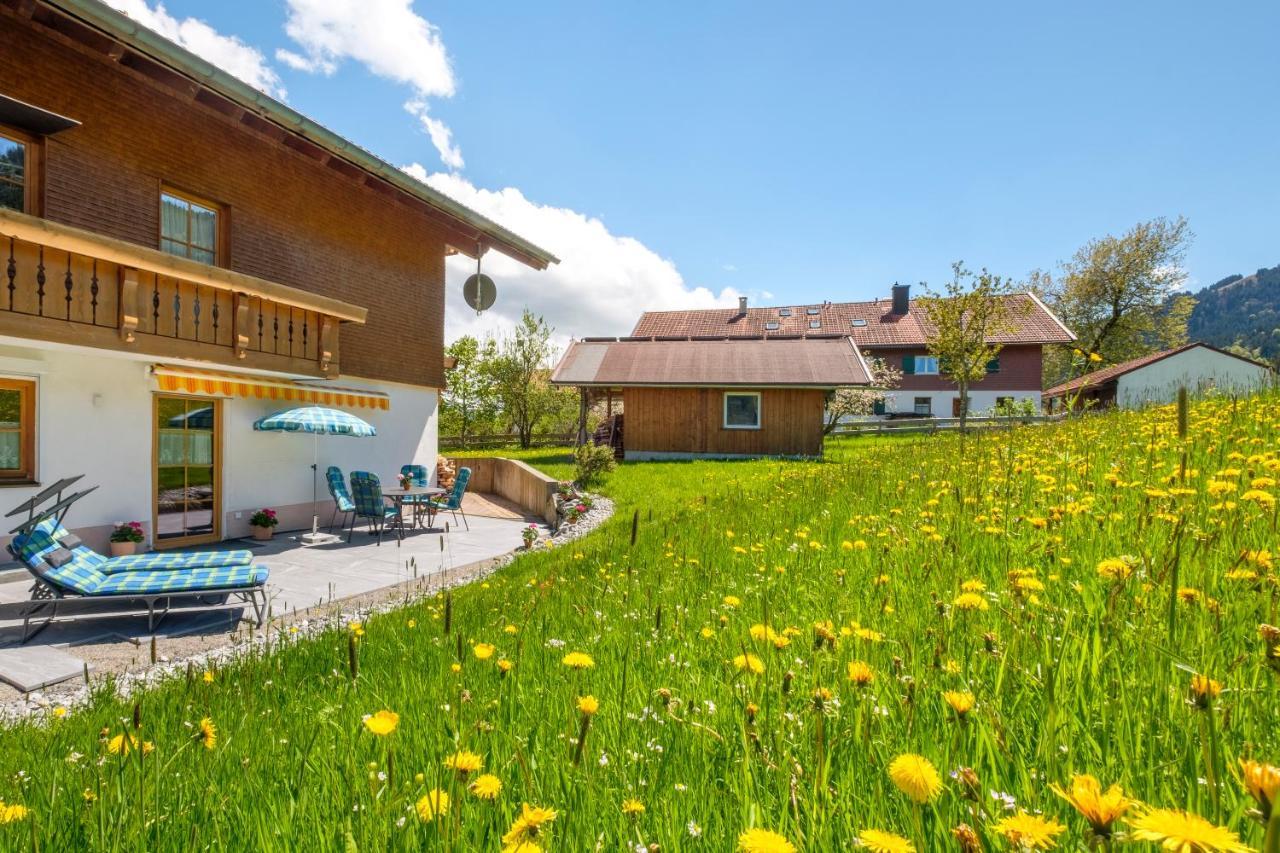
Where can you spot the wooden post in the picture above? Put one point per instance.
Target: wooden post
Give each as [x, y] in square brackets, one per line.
[128, 299]
[582, 416]
[240, 324]
[328, 343]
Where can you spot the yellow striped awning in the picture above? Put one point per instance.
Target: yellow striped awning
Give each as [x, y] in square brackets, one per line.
[216, 383]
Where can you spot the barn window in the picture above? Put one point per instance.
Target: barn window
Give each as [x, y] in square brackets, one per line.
[742, 410]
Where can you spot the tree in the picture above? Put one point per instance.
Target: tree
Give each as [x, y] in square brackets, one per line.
[860, 402]
[1120, 294]
[963, 321]
[520, 373]
[469, 402]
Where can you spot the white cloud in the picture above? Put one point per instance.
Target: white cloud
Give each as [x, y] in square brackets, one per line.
[389, 39]
[600, 287]
[227, 52]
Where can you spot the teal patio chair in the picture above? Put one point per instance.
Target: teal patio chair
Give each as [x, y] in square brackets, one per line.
[371, 505]
[421, 503]
[342, 502]
[453, 501]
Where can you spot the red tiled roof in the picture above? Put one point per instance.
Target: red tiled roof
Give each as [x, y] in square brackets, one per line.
[879, 327]
[828, 362]
[1106, 374]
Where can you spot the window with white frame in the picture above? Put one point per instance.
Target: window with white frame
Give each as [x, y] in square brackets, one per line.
[742, 410]
[926, 365]
[924, 406]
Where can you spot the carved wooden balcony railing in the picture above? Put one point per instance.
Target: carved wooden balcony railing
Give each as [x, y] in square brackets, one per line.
[72, 286]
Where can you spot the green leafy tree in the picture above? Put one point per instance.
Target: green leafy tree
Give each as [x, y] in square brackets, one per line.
[963, 321]
[1120, 295]
[520, 373]
[470, 402]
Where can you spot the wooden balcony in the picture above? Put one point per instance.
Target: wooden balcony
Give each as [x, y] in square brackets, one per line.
[71, 286]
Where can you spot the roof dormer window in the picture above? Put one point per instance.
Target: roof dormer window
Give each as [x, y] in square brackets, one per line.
[784, 312]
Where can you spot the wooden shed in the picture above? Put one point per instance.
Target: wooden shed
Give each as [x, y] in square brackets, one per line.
[722, 398]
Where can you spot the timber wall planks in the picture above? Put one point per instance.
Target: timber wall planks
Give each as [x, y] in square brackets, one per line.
[690, 420]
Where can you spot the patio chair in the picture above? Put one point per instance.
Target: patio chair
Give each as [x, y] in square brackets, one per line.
[366, 492]
[342, 502]
[65, 575]
[420, 503]
[453, 501]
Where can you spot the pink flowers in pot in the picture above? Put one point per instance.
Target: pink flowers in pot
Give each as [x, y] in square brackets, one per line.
[128, 531]
[264, 518]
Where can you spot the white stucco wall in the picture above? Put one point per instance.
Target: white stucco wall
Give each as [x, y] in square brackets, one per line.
[980, 402]
[1200, 369]
[93, 417]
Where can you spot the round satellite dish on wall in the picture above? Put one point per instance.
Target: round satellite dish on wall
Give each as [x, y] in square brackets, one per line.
[480, 292]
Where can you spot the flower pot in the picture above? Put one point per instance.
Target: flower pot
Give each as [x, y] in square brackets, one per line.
[262, 534]
[123, 549]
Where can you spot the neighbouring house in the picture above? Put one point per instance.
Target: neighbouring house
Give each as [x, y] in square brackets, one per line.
[1155, 378]
[894, 330]
[182, 255]
[726, 397]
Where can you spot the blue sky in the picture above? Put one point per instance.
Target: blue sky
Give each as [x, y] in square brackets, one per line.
[822, 151]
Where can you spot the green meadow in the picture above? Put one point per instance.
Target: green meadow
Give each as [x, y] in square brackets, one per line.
[924, 644]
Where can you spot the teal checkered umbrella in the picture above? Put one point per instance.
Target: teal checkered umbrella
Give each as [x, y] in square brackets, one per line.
[315, 419]
[318, 421]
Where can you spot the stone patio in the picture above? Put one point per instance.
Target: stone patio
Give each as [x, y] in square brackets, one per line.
[301, 578]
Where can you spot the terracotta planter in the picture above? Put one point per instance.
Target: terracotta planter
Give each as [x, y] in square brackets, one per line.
[123, 549]
[262, 534]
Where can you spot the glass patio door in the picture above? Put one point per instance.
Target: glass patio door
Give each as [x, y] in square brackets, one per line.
[187, 503]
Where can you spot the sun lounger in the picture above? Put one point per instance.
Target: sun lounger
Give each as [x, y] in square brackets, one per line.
[66, 575]
[151, 562]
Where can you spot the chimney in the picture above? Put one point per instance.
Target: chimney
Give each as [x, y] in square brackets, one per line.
[742, 305]
[901, 298]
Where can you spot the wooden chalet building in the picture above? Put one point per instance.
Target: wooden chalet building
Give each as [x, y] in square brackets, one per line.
[181, 255]
[726, 397]
[893, 330]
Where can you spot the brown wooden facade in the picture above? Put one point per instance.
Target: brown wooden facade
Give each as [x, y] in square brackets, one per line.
[690, 421]
[289, 214]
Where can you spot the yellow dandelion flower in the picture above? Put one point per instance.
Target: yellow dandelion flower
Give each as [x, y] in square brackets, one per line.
[731, 601]
[207, 734]
[483, 651]
[860, 673]
[749, 663]
[1178, 830]
[878, 841]
[1262, 781]
[1029, 831]
[208, 676]
[764, 841]
[1204, 690]
[973, 585]
[486, 786]
[123, 744]
[431, 805]
[1100, 808]
[528, 824]
[970, 601]
[464, 762]
[505, 666]
[382, 723]
[959, 701]
[12, 812]
[588, 705]
[1116, 568]
[632, 807]
[916, 777]
[578, 660]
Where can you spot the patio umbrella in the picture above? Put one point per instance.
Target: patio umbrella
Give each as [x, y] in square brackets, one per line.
[318, 421]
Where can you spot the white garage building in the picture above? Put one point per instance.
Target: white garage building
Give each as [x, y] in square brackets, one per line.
[1155, 378]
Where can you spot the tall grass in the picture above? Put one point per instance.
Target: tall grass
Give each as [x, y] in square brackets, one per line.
[802, 568]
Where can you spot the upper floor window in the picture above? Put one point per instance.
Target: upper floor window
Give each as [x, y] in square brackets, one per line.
[16, 191]
[920, 364]
[188, 227]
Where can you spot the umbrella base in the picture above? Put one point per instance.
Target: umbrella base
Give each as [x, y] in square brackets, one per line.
[319, 539]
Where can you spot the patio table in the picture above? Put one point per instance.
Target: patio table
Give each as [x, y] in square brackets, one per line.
[398, 495]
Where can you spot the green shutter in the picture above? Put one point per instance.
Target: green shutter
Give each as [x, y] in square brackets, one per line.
[908, 364]
[993, 366]
[878, 408]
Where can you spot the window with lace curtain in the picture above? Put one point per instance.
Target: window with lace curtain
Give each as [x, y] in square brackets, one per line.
[188, 227]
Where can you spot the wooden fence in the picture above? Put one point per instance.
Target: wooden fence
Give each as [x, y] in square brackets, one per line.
[481, 442]
[514, 480]
[916, 426]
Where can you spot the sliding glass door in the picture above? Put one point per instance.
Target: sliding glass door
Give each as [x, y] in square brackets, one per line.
[187, 460]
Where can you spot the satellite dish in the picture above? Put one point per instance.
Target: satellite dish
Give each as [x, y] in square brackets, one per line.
[480, 292]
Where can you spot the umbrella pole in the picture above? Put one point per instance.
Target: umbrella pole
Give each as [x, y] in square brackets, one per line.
[315, 458]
